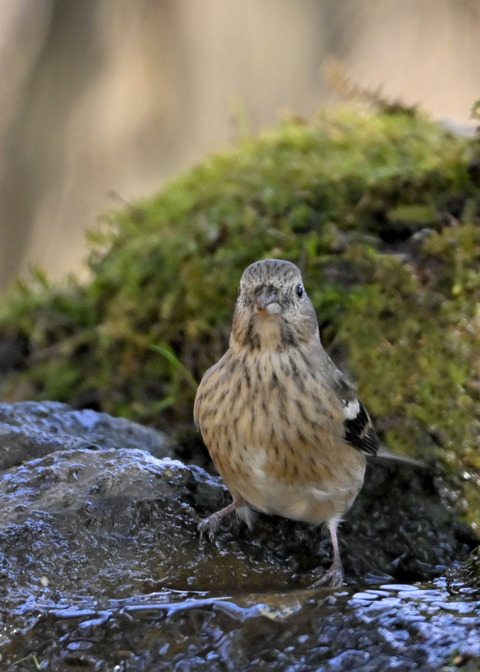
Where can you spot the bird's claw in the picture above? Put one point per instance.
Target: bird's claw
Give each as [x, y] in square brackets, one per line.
[333, 578]
[209, 526]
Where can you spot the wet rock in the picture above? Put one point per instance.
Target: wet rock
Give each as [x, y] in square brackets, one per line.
[101, 563]
[32, 429]
[96, 522]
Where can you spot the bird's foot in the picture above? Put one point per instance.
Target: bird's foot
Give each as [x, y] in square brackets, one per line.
[209, 526]
[333, 577]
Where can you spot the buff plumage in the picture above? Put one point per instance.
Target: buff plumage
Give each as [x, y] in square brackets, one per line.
[282, 424]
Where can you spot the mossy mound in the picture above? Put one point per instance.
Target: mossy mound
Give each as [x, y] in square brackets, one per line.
[382, 214]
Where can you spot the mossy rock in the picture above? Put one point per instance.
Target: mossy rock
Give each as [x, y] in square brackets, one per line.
[381, 211]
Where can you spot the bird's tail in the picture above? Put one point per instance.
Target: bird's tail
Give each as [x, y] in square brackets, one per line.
[385, 453]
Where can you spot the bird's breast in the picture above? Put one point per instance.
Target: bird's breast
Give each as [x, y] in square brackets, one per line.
[275, 432]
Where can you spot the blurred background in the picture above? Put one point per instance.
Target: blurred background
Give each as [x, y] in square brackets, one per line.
[102, 101]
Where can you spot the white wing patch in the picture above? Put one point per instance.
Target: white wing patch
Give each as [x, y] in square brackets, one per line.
[351, 409]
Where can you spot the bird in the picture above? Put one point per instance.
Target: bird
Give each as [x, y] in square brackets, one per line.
[283, 425]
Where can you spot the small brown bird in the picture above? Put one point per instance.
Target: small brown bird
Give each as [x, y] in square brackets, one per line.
[282, 424]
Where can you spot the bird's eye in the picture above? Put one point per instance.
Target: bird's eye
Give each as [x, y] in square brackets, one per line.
[299, 290]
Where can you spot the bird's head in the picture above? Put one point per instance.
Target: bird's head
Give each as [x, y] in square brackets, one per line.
[273, 310]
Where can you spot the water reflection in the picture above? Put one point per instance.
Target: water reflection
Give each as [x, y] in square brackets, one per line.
[378, 627]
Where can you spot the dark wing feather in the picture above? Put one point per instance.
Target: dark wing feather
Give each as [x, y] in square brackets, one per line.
[359, 432]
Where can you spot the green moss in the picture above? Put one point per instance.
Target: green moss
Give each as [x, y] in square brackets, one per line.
[382, 214]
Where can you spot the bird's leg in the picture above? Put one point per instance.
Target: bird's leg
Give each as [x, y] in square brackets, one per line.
[210, 525]
[334, 575]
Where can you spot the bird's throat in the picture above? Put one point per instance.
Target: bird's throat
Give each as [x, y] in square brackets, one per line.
[262, 331]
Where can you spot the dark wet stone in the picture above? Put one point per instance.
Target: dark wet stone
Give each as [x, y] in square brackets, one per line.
[101, 564]
[33, 429]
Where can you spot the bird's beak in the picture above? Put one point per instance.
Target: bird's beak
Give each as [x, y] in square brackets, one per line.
[267, 300]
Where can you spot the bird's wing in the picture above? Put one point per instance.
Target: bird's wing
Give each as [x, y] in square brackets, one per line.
[359, 431]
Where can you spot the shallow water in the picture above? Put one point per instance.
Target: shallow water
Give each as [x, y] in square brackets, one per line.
[379, 627]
